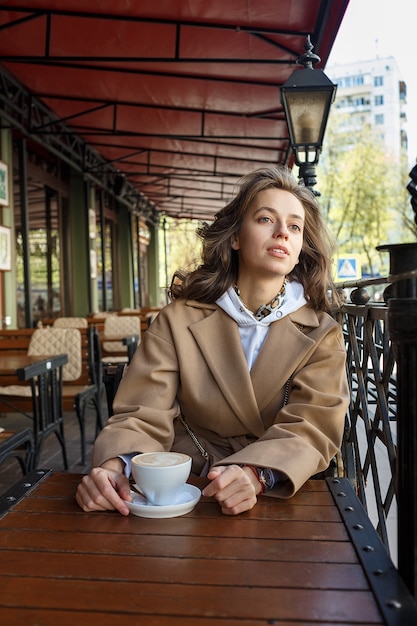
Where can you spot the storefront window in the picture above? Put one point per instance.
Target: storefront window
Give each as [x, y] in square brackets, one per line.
[105, 292]
[44, 261]
[140, 261]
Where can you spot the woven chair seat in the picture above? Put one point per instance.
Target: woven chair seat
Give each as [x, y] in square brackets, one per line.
[116, 326]
[52, 341]
[59, 341]
[25, 391]
[70, 322]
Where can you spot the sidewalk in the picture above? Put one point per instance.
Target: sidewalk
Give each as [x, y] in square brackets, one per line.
[384, 473]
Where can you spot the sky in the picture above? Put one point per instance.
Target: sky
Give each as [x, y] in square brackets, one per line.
[383, 28]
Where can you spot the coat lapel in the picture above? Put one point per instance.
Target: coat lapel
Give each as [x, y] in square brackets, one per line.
[284, 349]
[248, 393]
[217, 334]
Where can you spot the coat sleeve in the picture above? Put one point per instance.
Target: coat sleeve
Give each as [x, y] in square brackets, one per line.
[307, 431]
[143, 421]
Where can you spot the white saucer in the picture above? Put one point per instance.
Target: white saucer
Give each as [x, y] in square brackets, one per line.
[185, 501]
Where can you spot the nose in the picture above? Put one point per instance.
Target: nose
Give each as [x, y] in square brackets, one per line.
[281, 230]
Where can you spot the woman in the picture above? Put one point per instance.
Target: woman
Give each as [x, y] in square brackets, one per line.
[245, 369]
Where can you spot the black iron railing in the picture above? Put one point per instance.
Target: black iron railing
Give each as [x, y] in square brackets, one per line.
[379, 451]
[369, 447]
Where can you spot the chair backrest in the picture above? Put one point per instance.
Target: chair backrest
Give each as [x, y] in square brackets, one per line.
[59, 341]
[121, 325]
[94, 356]
[70, 322]
[112, 375]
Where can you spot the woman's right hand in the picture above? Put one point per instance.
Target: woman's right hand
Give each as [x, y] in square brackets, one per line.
[104, 489]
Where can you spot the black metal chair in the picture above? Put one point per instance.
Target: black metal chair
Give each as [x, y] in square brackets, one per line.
[112, 376]
[19, 445]
[93, 393]
[41, 402]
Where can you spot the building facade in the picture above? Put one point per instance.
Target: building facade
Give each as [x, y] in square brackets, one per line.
[372, 93]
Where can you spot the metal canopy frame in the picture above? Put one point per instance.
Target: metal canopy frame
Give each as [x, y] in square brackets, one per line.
[179, 98]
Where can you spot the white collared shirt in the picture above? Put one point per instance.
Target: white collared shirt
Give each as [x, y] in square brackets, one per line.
[252, 331]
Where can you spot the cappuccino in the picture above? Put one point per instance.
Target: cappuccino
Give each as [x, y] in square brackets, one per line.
[161, 459]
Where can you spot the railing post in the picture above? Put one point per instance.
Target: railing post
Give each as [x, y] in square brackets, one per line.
[402, 325]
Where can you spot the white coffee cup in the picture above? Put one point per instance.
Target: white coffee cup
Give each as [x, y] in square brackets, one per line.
[160, 475]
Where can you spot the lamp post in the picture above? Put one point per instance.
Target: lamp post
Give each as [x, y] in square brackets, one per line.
[412, 189]
[306, 97]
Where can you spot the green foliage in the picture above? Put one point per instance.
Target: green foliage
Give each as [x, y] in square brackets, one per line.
[363, 194]
[183, 247]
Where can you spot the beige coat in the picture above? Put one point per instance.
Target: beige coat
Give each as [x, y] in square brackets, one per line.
[191, 362]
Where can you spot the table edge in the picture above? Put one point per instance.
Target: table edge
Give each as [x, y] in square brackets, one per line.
[395, 601]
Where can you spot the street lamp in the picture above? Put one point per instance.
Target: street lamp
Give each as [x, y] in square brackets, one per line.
[306, 97]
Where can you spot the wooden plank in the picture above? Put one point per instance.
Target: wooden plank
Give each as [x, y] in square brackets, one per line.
[39, 617]
[15, 345]
[202, 601]
[205, 509]
[16, 332]
[186, 525]
[237, 572]
[216, 547]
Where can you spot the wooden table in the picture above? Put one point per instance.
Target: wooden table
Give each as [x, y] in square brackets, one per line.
[15, 368]
[287, 562]
[10, 363]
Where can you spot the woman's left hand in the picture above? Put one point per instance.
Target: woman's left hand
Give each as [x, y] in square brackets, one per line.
[235, 488]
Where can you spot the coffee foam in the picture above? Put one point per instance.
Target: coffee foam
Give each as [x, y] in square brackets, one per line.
[161, 459]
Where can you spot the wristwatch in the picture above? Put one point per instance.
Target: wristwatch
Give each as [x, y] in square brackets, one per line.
[266, 478]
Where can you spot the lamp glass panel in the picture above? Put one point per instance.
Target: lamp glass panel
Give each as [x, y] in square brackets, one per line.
[307, 112]
[306, 155]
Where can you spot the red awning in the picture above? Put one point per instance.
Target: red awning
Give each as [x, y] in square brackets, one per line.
[182, 97]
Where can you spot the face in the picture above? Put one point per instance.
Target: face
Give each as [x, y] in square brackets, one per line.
[271, 237]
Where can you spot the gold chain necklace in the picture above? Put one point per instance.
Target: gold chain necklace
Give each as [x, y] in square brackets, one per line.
[265, 309]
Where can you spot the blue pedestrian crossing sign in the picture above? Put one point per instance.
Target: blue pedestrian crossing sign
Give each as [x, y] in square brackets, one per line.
[349, 268]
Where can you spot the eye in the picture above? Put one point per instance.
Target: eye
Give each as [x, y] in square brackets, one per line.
[295, 227]
[265, 219]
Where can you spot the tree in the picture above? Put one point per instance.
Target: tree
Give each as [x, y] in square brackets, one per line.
[181, 245]
[362, 193]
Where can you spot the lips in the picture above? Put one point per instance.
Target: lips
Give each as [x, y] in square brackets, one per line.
[279, 250]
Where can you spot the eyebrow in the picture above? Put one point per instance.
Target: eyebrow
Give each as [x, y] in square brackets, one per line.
[291, 215]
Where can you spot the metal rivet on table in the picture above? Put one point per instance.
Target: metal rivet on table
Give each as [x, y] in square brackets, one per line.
[358, 526]
[393, 604]
[349, 509]
[27, 485]
[11, 498]
[379, 572]
[335, 481]
[341, 494]
[368, 549]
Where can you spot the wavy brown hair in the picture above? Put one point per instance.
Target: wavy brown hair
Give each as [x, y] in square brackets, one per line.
[220, 264]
